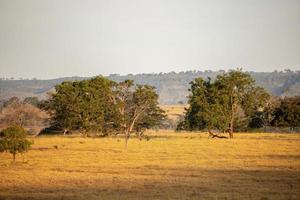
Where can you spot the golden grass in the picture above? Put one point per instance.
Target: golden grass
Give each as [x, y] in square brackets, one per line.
[168, 166]
[174, 111]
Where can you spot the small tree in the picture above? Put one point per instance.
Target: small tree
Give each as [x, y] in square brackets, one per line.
[137, 107]
[143, 110]
[13, 140]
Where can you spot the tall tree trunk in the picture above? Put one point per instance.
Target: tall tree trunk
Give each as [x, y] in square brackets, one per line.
[127, 133]
[232, 117]
[231, 129]
[126, 138]
[231, 124]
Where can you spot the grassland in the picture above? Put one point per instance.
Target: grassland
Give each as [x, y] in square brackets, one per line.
[174, 111]
[168, 166]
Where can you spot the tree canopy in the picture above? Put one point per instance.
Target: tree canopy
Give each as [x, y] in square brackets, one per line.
[105, 106]
[225, 104]
[287, 114]
[13, 140]
[81, 105]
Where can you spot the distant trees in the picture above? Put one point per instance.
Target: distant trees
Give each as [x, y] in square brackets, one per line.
[21, 113]
[278, 113]
[32, 100]
[13, 140]
[280, 83]
[225, 104]
[287, 114]
[104, 106]
[264, 117]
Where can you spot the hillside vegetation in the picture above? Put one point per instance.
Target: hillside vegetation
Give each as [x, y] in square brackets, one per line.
[168, 166]
[172, 87]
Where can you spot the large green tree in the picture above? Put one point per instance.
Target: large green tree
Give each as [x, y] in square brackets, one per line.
[239, 94]
[231, 99]
[82, 105]
[206, 110]
[101, 105]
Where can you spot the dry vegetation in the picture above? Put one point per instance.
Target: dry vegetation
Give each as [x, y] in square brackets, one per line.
[174, 112]
[168, 166]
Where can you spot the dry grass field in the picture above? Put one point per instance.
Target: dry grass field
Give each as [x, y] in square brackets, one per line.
[168, 166]
[173, 111]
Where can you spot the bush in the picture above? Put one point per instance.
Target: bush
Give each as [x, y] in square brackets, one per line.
[13, 140]
[16, 112]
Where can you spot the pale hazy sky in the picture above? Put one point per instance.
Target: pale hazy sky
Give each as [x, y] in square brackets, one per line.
[55, 38]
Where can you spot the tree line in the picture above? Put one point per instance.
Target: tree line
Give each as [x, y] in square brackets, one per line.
[234, 102]
[229, 103]
[105, 107]
[278, 83]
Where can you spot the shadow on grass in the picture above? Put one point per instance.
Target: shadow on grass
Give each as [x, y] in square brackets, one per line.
[163, 183]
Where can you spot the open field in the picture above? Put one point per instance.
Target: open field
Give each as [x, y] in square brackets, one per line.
[174, 111]
[168, 166]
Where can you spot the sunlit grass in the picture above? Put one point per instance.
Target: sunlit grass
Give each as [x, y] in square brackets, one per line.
[168, 166]
[174, 111]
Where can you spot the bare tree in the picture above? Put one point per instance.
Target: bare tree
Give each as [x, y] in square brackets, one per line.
[16, 112]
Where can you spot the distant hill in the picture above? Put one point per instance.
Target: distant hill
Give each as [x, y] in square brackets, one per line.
[172, 87]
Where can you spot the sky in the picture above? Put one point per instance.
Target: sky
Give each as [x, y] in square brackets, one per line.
[57, 38]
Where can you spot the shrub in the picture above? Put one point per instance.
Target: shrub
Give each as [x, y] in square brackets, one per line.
[13, 140]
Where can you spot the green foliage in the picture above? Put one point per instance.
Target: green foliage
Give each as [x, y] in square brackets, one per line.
[277, 83]
[287, 114]
[82, 105]
[278, 112]
[32, 100]
[137, 106]
[207, 109]
[101, 105]
[226, 103]
[145, 99]
[13, 140]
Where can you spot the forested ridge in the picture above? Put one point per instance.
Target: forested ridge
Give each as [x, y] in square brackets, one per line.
[172, 87]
